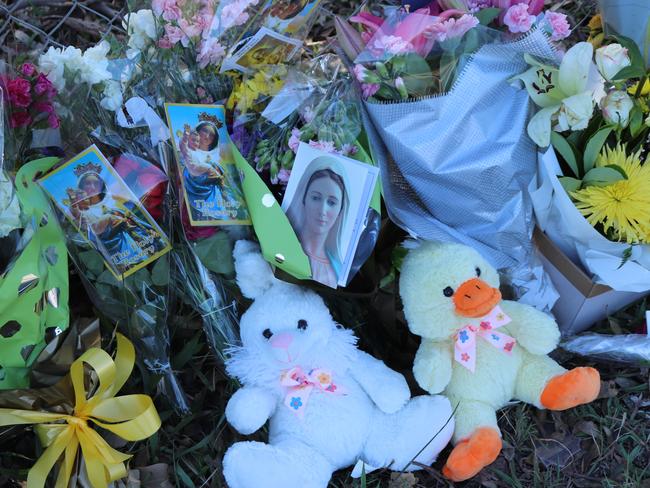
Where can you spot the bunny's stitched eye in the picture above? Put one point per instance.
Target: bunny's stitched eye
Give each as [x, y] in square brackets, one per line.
[448, 292]
[478, 271]
[302, 324]
[267, 333]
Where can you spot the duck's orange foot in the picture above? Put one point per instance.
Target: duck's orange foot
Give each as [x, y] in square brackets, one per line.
[575, 387]
[471, 455]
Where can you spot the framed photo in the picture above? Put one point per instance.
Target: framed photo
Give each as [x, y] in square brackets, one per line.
[209, 177]
[264, 48]
[289, 16]
[100, 206]
[326, 202]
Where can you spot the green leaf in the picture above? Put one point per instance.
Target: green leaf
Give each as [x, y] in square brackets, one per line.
[566, 151]
[570, 184]
[160, 272]
[417, 75]
[215, 253]
[627, 254]
[448, 63]
[593, 147]
[93, 261]
[106, 277]
[636, 121]
[633, 52]
[602, 177]
[616, 167]
[487, 15]
[629, 72]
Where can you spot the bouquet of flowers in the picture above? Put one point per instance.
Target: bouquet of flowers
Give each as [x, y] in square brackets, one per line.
[28, 96]
[594, 194]
[448, 126]
[415, 54]
[316, 106]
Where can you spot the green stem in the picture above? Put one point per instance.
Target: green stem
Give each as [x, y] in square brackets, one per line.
[639, 88]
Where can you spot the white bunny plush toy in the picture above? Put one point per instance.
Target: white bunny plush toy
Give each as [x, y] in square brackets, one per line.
[330, 405]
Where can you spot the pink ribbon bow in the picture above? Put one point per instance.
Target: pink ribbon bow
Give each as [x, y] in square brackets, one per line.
[301, 385]
[465, 346]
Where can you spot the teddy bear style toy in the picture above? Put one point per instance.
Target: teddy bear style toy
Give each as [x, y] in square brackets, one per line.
[329, 403]
[481, 351]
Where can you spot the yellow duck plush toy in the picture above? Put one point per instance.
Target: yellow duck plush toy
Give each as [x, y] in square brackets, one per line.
[481, 351]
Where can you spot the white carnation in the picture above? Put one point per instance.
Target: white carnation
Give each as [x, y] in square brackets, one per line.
[94, 66]
[51, 64]
[141, 28]
[112, 96]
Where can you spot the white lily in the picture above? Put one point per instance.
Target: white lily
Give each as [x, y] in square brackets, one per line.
[566, 95]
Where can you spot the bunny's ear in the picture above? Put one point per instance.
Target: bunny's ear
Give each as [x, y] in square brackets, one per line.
[254, 274]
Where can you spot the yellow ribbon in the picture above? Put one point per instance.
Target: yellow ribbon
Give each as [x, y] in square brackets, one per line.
[132, 417]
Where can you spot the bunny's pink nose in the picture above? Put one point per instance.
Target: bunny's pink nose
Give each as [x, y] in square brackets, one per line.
[282, 341]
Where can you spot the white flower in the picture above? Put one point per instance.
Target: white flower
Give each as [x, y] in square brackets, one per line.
[9, 206]
[566, 95]
[141, 28]
[94, 68]
[51, 64]
[112, 96]
[616, 107]
[611, 59]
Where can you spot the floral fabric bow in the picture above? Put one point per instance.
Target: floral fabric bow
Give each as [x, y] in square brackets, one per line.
[465, 345]
[301, 385]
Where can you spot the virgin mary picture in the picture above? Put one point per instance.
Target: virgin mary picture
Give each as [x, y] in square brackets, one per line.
[106, 214]
[208, 174]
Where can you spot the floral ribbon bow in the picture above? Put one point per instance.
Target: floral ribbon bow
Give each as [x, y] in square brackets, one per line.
[465, 345]
[300, 386]
[131, 417]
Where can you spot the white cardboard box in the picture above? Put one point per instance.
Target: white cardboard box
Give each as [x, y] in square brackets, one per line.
[582, 302]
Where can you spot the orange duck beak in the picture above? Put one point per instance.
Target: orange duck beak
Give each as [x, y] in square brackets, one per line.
[475, 298]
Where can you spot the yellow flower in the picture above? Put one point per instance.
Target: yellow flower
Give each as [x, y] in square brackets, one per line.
[596, 34]
[622, 207]
[644, 91]
[250, 90]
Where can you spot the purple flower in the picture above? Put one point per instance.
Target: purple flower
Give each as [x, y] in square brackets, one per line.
[369, 89]
[28, 69]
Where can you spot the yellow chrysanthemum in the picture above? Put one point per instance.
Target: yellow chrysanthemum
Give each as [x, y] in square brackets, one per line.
[623, 206]
[596, 34]
[248, 92]
[644, 91]
[596, 22]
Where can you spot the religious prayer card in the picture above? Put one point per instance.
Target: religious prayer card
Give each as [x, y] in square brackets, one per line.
[204, 156]
[266, 47]
[326, 202]
[106, 213]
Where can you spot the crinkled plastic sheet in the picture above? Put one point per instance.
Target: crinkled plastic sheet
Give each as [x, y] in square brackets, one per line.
[457, 167]
[633, 349]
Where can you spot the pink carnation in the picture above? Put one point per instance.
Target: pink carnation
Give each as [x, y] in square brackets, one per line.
[19, 92]
[325, 146]
[283, 175]
[43, 86]
[294, 140]
[210, 54]
[53, 121]
[518, 19]
[168, 9]
[20, 119]
[359, 72]
[164, 43]
[28, 69]
[369, 89]
[392, 45]
[44, 107]
[174, 34]
[190, 30]
[452, 28]
[559, 24]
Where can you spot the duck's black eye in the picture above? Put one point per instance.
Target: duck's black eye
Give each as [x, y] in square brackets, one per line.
[448, 292]
[267, 333]
[302, 324]
[478, 271]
